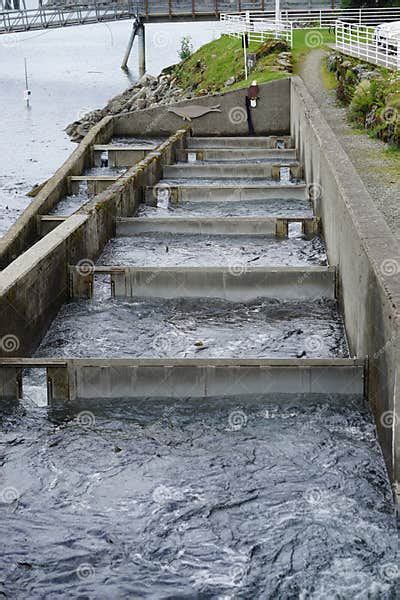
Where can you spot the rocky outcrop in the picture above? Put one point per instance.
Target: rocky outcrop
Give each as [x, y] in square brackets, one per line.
[148, 92]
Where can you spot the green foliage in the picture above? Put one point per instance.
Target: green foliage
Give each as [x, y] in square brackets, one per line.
[361, 102]
[373, 96]
[186, 49]
[207, 69]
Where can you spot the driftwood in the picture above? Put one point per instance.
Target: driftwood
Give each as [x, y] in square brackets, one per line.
[193, 112]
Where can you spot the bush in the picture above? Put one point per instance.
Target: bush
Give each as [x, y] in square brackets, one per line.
[186, 49]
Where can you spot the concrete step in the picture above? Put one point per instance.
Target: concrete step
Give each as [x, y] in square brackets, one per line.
[95, 184]
[230, 170]
[118, 156]
[88, 379]
[221, 192]
[263, 226]
[236, 283]
[265, 142]
[235, 154]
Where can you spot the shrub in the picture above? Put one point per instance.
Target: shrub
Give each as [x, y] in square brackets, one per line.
[186, 49]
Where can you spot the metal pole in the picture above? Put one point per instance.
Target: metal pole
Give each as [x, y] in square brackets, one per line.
[245, 55]
[142, 50]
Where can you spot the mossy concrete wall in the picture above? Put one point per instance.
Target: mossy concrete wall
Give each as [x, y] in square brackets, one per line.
[367, 255]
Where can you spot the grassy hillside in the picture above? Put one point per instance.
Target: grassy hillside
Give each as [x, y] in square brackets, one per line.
[210, 67]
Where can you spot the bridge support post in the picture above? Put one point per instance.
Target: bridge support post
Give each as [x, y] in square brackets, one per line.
[142, 50]
[137, 30]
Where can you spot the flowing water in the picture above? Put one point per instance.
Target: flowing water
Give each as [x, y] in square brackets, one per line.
[266, 497]
[168, 249]
[187, 328]
[271, 207]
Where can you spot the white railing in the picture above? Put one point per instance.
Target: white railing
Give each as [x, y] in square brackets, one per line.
[258, 29]
[360, 41]
[322, 18]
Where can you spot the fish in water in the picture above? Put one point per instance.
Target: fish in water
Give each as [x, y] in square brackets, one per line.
[193, 112]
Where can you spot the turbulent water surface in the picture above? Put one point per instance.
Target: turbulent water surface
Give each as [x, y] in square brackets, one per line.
[236, 498]
[199, 327]
[270, 207]
[165, 249]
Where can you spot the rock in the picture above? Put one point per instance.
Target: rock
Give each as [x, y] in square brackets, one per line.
[146, 80]
[230, 81]
[141, 104]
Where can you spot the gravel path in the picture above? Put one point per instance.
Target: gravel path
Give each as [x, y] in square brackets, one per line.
[379, 171]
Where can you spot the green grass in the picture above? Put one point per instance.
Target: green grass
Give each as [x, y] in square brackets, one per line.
[214, 63]
[305, 40]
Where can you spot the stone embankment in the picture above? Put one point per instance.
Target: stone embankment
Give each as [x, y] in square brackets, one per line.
[147, 92]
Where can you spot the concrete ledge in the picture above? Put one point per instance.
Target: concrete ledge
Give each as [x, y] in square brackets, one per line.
[23, 233]
[223, 192]
[95, 184]
[47, 223]
[215, 226]
[232, 154]
[82, 379]
[252, 142]
[119, 156]
[231, 170]
[237, 283]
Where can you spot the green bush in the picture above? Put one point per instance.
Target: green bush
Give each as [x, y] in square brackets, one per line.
[186, 49]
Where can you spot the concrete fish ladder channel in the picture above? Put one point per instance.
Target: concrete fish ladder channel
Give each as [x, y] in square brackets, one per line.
[214, 164]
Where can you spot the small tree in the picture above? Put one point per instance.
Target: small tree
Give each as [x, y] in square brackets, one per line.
[186, 47]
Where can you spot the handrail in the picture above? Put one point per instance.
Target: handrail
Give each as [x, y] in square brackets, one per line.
[361, 41]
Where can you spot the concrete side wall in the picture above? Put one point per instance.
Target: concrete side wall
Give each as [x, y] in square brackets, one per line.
[271, 117]
[360, 244]
[35, 285]
[23, 232]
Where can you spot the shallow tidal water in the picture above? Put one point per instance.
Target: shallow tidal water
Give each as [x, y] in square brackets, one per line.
[263, 498]
[187, 328]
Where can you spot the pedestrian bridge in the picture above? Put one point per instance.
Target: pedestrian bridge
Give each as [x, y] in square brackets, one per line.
[51, 17]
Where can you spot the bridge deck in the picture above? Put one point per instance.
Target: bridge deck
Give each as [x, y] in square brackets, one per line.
[50, 17]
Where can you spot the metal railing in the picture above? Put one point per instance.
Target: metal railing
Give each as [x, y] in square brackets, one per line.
[321, 18]
[258, 29]
[360, 41]
[97, 11]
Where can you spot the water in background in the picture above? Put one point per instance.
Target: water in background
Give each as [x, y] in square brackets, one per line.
[71, 71]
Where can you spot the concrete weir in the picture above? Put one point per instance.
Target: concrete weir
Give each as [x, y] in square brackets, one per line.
[214, 161]
[261, 226]
[234, 283]
[201, 378]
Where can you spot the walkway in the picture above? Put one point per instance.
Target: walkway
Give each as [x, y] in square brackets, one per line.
[379, 171]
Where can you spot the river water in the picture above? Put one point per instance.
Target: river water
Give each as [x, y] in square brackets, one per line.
[70, 71]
